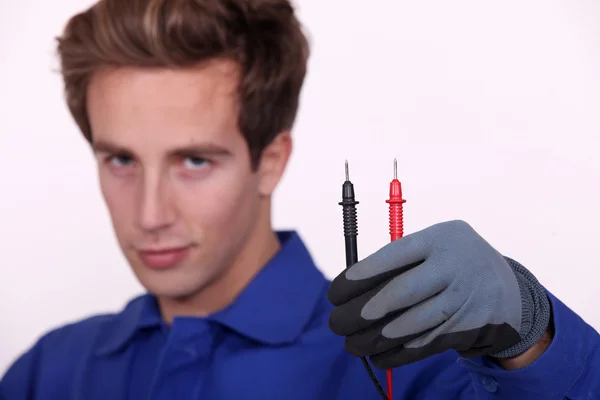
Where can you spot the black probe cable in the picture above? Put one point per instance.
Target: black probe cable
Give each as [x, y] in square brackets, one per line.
[348, 204]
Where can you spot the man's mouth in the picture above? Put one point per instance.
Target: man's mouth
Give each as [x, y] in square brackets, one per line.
[163, 258]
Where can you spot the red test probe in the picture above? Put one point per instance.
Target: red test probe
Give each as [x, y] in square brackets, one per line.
[396, 232]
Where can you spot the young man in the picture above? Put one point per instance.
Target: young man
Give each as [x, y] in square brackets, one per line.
[188, 107]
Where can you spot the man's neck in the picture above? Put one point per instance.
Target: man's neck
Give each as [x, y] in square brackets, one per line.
[225, 289]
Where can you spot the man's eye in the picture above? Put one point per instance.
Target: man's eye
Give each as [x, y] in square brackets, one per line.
[120, 160]
[194, 162]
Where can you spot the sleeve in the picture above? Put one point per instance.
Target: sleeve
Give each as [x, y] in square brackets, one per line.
[568, 369]
[18, 383]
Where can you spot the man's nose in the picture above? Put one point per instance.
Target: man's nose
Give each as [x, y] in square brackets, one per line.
[156, 211]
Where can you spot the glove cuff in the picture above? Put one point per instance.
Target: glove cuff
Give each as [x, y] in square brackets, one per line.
[536, 311]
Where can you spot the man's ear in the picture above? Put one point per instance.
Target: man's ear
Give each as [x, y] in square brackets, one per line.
[273, 161]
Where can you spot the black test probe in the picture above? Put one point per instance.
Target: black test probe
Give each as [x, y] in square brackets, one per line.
[348, 204]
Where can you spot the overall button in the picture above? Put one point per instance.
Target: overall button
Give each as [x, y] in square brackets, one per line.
[489, 384]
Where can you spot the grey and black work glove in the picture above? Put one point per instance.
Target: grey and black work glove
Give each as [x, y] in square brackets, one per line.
[438, 289]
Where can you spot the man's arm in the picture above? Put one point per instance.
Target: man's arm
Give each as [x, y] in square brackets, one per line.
[564, 365]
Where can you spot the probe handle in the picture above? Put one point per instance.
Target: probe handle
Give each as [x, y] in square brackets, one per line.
[348, 204]
[396, 203]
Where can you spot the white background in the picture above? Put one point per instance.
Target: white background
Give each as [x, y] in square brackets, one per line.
[492, 109]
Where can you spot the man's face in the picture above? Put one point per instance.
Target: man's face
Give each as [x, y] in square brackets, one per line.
[175, 172]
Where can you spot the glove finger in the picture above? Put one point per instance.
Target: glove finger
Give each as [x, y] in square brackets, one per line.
[370, 342]
[397, 294]
[347, 319]
[403, 355]
[469, 343]
[406, 290]
[468, 328]
[450, 334]
[475, 342]
[394, 258]
[402, 327]
[423, 317]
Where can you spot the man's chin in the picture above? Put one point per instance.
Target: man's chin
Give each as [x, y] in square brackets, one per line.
[180, 284]
[173, 286]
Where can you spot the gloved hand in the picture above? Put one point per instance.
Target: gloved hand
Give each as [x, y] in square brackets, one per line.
[438, 289]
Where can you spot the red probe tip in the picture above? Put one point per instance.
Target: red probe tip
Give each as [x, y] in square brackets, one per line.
[395, 188]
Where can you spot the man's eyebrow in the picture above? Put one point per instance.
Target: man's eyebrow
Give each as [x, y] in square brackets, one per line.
[107, 147]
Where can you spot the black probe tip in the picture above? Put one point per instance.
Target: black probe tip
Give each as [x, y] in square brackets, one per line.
[347, 173]
[348, 196]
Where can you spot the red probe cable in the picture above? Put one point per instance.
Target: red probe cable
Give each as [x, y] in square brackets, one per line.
[396, 232]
